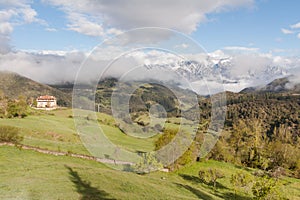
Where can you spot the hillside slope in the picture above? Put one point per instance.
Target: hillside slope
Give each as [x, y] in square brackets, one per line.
[41, 176]
[281, 85]
[13, 85]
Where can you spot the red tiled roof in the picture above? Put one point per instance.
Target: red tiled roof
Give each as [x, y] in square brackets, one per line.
[46, 97]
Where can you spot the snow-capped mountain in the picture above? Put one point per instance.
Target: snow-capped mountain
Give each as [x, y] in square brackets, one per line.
[233, 73]
[212, 69]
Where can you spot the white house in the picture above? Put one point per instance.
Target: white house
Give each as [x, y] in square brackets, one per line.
[46, 102]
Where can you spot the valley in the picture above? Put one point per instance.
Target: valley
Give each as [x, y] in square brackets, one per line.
[270, 117]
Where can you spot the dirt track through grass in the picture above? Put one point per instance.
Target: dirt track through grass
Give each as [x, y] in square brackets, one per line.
[58, 153]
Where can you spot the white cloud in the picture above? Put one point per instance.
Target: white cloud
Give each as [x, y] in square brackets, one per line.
[82, 24]
[123, 15]
[51, 29]
[250, 64]
[19, 12]
[114, 31]
[29, 15]
[183, 46]
[15, 12]
[6, 14]
[211, 87]
[286, 31]
[6, 28]
[295, 26]
[295, 30]
[278, 50]
[45, 68]
[240, 49]
[245, 70]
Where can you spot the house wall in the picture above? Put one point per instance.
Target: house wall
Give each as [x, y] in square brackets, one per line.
[46, 104]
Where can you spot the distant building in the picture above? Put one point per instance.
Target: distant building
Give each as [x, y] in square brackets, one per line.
[46, 102]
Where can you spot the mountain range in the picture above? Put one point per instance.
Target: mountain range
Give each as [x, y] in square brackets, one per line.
[14, 85]
[222, 70]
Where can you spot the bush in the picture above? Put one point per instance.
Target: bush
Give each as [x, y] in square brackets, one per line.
[265, 188]
[147, 164]
[187, 157]
[210, 176]
[17, 108]
[10, 134]
[241, 181]
[91, 117]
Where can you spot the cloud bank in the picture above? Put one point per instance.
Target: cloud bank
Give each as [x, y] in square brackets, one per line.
[103, 16]
[243, 70]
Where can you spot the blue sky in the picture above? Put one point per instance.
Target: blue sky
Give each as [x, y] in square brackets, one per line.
[253, 27]
[37, 36]
[257, 25]
[48, 40]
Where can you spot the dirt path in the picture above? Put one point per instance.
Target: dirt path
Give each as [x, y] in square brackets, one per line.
[58, 153]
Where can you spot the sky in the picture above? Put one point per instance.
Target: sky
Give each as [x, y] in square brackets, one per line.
[61, 32]
[55, 25]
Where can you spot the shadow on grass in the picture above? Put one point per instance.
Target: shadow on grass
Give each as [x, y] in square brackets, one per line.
[232, 196]
[195, 179]
[243, 168]
[198, 193]
[217, 192]
[85, 189]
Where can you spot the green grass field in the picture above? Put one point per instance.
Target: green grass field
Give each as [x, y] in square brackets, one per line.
[26, 174]
[55, 130]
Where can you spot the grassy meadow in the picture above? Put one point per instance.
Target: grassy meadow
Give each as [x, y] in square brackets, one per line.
[26, 174]
[55, 130]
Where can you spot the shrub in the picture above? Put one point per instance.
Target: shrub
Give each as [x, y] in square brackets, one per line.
[147, 164]
[17, 108]
[10, 134]
[241, 181]
[189, 155]
[265, 188]
[210, 176]
[91, 117]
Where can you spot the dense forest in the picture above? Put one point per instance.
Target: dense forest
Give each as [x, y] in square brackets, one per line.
[261, 131]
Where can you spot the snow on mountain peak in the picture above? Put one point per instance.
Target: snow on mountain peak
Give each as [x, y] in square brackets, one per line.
[235, 75]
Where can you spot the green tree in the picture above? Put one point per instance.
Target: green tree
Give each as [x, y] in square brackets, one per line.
[265, 188]
[17, 108]
[210, 176]
[247, 141]
[165, 138]
[241, 181]
[3, 105]
[237, 139]
[147, 164]
[187, 157]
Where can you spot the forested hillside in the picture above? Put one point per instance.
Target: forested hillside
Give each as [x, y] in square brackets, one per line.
[13, 86]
